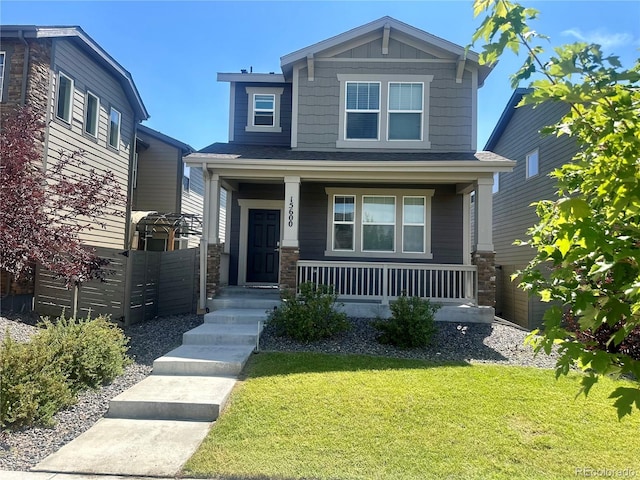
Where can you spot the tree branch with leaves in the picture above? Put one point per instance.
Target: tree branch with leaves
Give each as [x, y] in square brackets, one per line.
[589, 235]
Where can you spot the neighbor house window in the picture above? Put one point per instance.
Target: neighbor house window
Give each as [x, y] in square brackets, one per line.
[91, 114]
[114, 128]
[384, 111]
[405, 111]
[343, 222]
[380, 219]
[65, 97]
[362, 110]
[413, 224]
[3, 56]
[186, 179]
[532, 164]
[378, 224]
[263, 114]
[496, 182]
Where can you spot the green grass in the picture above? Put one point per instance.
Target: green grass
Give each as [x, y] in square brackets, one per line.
[355, 417]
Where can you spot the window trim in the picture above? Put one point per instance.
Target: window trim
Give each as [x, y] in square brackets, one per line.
[117, 146]
[389, 112]
[71, 95]
[423, 224]
[86, 112]
[334, 223]
[383, 141]
[251, 93]
[347, 111]
[399, 195]
[527, 169]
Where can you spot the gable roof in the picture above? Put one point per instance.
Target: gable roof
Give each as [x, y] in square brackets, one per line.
[504, 119]
[287, 61]
[87, 44]
[186, 149]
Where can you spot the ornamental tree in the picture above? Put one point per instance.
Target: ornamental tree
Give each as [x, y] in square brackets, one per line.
[589, 236]
[44, 211]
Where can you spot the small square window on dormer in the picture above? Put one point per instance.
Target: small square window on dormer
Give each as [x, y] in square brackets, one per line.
[263, 114]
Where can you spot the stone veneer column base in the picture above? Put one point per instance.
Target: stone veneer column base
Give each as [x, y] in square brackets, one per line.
[214, 252]
[485, 262]
[289, 257]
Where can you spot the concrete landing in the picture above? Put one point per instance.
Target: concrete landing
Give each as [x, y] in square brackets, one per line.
[161, 397]
[211, 360]
[236, 316]
[129, 447]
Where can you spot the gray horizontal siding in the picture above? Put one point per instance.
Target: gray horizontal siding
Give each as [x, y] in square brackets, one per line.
[450, 113]
[241, 108]
[88, 75]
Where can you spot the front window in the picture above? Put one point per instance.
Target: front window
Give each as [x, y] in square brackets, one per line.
[91, 114]
[405, 111]
[114, 128]
[343, 222]
[263, 110]
[363, 110]
[65, 97]
[413, 224]
[378, 224]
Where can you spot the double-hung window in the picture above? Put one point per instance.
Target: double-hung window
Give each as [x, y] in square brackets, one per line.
[532, 164]
[263, 110]
[362, 110]
[413, 224]
[405, 111]
[384, 111]
[114, 128]
[378, 223]
[64, 97]
[91, 114]
[343, 222]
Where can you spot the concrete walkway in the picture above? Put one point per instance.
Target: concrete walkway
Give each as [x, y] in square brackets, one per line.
[153, 428]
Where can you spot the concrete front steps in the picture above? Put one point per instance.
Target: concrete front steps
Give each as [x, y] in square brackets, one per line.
[153, 428]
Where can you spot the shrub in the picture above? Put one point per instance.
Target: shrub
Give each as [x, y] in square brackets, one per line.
[310, 315]
[32, 387]
[90, 352]
[411, 324]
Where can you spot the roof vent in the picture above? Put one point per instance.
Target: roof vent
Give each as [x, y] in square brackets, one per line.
[244, 70]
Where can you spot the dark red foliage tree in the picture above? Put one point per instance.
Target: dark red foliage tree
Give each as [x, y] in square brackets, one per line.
[43, 211]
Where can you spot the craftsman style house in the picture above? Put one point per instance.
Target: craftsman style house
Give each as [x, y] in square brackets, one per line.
[517, 136]
[354, 167]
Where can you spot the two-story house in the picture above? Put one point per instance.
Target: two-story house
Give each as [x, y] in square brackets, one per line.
[353, 167]
[87, 100]
[167, 194]
[517, 136]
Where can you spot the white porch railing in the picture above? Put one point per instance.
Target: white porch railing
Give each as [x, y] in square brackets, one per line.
[387, 281]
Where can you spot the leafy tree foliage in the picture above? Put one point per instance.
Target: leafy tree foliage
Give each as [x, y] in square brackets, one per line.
[590, 235]
[43, 212]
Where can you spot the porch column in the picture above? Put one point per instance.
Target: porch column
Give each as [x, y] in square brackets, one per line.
[214, 208]
[289, 250]
[204, 241]
[483, 255]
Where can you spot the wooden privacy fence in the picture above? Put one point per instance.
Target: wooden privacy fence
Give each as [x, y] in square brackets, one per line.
[138, 287]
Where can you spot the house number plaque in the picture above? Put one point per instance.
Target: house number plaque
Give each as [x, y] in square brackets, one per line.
[291, 212]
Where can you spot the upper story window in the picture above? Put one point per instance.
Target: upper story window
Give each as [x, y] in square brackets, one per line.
[186, 179]
[114, 128]
[532, 164]
[3, 56]
[384, 111]
[91, 114]
[263, 113]
[64, 97]
[362, 110]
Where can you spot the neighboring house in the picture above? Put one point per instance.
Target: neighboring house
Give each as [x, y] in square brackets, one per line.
[167, 194]
[517, 136]
[87, 100]
[354, 167]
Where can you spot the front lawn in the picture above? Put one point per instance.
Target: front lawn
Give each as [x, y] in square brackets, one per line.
[356, 417]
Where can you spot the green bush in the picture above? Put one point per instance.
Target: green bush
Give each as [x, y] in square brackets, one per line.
[90, 352]
[42, 376]
[412, 323]
[310, 315]
[32, 387]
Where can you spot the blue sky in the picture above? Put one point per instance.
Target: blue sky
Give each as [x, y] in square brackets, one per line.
[174, 49]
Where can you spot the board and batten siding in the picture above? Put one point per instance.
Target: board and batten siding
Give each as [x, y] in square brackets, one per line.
[241, 109]
[450, 113]
[88, 75]
[512, 210]
[159, 179]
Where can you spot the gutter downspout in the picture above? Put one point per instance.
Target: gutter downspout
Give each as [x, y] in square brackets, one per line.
[25, 68]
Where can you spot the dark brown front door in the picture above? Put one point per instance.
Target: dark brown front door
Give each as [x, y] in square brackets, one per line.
[263, 259]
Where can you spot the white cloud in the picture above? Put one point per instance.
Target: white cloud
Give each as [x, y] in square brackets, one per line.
[605, 39]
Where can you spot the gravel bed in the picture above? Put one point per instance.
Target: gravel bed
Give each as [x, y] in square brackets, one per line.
[21, 450]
